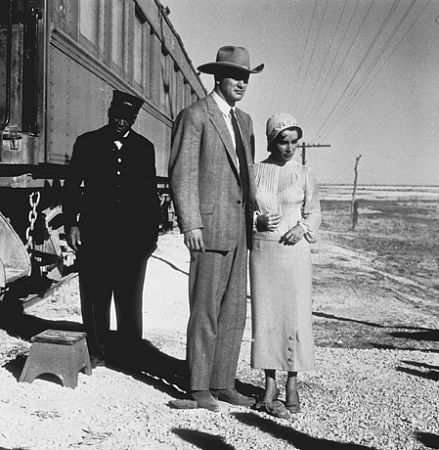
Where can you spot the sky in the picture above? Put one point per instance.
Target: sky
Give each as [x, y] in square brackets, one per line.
[359, 75]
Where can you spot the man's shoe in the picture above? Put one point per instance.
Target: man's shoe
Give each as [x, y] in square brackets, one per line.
[205, 400]
[232, 396]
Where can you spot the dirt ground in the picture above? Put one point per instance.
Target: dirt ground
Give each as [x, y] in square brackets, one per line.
[376, 322]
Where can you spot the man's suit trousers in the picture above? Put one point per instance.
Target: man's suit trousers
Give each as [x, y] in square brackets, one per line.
[218, 304]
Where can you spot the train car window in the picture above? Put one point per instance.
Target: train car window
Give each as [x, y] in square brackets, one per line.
[179, 90]
[139, 52]
[89, 20]
[173, 91]
[157, 68]
[168, 85]
[66, 16]
[147, 60]
[187, 94]
[117, 32]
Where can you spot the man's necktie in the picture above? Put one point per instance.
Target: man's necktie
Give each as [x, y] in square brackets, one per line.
[240, 153]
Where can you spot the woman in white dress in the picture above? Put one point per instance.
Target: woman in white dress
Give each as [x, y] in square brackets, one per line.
[287, 219]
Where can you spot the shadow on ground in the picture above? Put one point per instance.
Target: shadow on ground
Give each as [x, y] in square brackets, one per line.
[292, 437]
[428, 439]
[145, 363]
[17, 323]
[143, 360]
[422, 370]
[202, 440]
[13, 448]
[344, 332]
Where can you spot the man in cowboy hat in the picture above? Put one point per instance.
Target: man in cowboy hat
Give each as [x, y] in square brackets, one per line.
[112, 223]
[211, 179]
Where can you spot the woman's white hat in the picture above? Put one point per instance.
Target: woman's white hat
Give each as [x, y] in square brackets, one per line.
[280, 122]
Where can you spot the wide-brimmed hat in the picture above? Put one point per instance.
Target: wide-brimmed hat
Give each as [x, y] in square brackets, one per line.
[280, 122]
[230, 57]
[125, 104]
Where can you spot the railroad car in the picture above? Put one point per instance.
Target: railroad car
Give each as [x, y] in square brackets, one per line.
[60, 61]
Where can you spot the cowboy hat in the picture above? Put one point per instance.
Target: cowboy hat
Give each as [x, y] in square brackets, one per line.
[230, 57]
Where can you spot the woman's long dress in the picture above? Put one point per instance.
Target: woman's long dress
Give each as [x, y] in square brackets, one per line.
[281, 275]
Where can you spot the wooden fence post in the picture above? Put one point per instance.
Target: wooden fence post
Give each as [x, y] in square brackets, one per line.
[354, 202]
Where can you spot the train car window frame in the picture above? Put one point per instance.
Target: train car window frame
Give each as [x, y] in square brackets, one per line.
[187, 93]
[84, 40]
[156, 71]
[66, 17]
[179, 101]
[139, 40]
[118, 36]
[146, 87]
[168, 84]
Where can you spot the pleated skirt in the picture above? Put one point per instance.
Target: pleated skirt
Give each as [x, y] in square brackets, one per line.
[281, 299]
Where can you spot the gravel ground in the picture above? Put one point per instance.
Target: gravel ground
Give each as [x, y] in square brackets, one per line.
[357, 398]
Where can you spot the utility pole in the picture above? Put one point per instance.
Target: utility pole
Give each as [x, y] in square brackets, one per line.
[305, 146]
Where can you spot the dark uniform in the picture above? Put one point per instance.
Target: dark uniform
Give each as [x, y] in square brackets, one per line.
[117, 213]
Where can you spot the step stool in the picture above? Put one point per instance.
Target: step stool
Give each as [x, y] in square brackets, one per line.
[62, 353]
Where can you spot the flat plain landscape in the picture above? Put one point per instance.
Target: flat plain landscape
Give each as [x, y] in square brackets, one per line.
[380, 280]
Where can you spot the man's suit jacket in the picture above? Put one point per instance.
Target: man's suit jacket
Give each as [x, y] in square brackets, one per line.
[204, 176]
[118, 206]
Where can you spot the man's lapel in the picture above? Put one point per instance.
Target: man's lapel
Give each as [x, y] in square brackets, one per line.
[217, 119]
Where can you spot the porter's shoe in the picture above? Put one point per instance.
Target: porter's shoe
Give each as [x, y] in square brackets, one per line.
[232, 396]
[97, 361]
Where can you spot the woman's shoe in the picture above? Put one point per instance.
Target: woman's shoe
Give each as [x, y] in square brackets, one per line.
[275, 397]
[275, 408]
[294, 407]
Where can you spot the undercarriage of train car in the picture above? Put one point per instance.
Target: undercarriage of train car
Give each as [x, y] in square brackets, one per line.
[33, 251]
[47, 67]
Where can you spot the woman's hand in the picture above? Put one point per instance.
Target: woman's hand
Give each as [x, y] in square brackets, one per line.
[74, 238]
[293, 235]
[268, 222]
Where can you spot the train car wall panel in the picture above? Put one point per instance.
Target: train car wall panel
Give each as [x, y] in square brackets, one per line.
[64, 75]
[171, 40]
[77, 103]
[159, 133]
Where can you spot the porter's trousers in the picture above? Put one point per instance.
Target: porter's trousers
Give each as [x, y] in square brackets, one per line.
[102, 277]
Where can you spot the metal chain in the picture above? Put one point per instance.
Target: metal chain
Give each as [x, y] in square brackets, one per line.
[34, 200]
